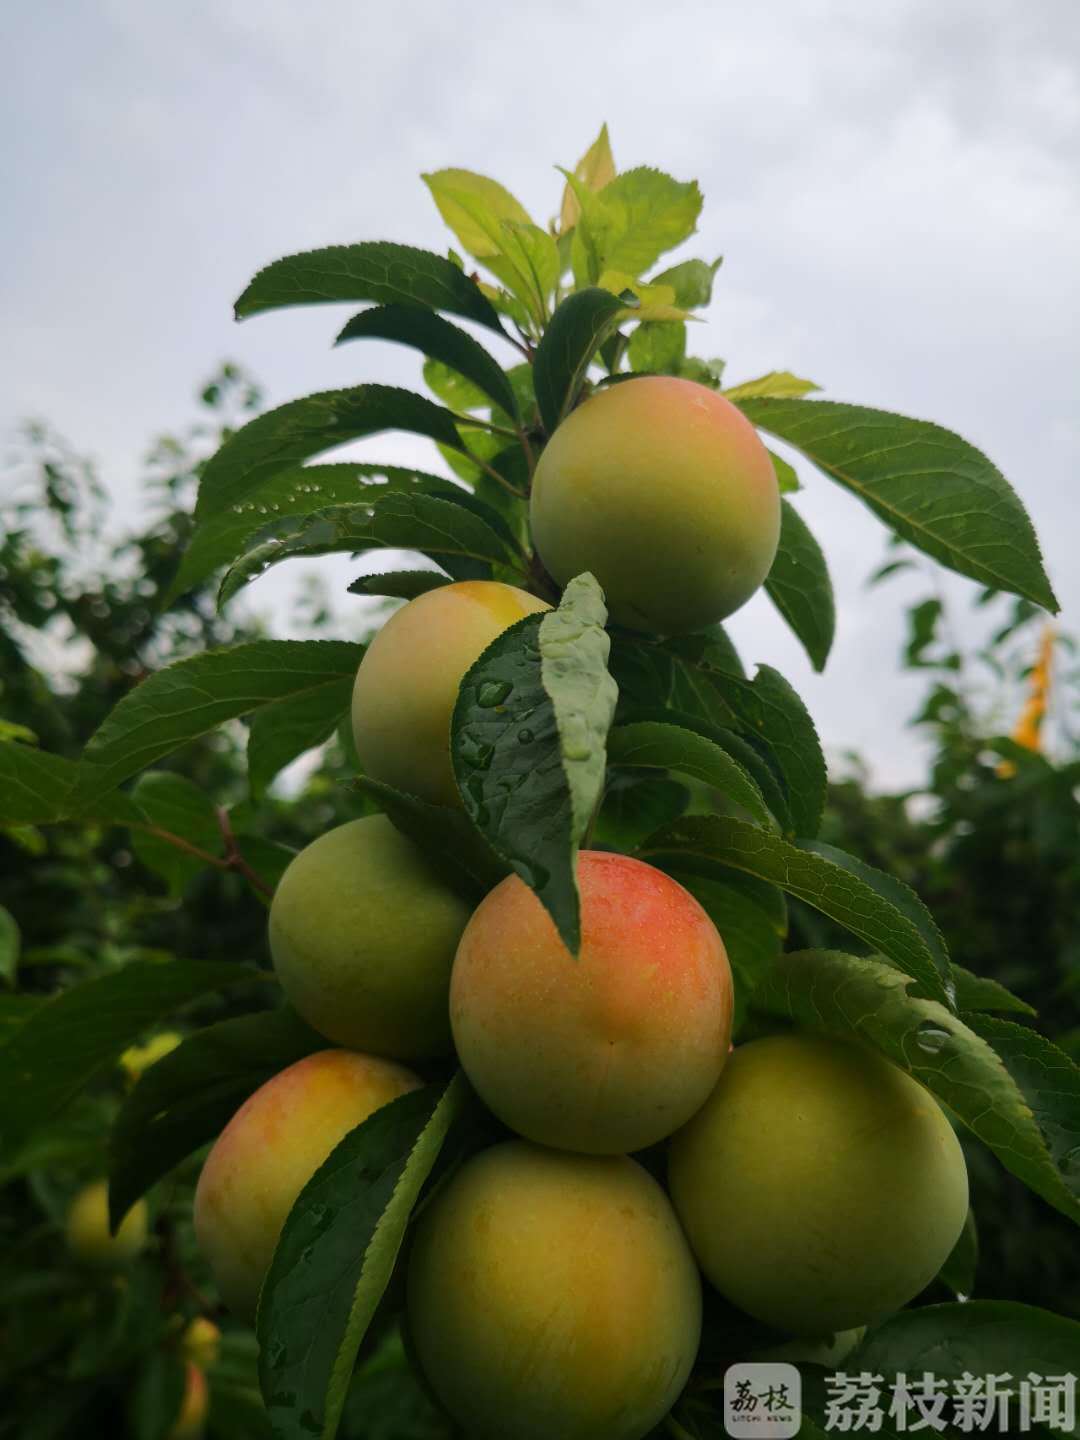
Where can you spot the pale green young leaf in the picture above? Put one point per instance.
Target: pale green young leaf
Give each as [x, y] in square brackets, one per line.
[594, 170]
[474, 207]
[691, 280]
[780, 384]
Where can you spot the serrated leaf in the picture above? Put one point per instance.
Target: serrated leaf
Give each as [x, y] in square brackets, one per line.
[638, 216]
[1031, 1123]
[377, 270]
[932, 488]
[535, 257]
[456, 536]
[578, 328]
[634, 805]
[979, 1338]
[435, 337]
[702, 841]
[474, 206]
[786, 477]
[400, 584]
[10, 942]
[66, 1042]
[194, 696]
[799, 586]
[670, 747]
[980, 992]
[279, 733]
[336, 1255]
[657, 347]
[37, 788]
[528, 741]
[451, 842]
[780, 384]
[174, 803]
[284, 437]
[186, 1099]
[692, 282]
[594, 170]
[297, 490]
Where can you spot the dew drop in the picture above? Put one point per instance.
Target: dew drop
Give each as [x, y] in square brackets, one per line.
[493, 692]
[476, 754]
[931, 1038]
[525, 736]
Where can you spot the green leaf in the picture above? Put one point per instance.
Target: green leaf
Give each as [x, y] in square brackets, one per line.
[336, 1255]
[194, 696]
[780, 384]
[452, 388]
[578, 328]
[692, 281]
[1031, 1123]
[187, 1098]
[279, 733]
[980, 992]
[702, 841]
[958, 1272]
[636, 218]
[474, 207]
[670, 747]
[449, 839]
[37, 788]
[435, 337]
[635, 805]
[657, 347]
[934, 489]
[751, 917]
[373, 270]
[294, 432]
[527, 743]
[157, 1395]
[535, 257]
[175, 804]
[456, 536]
[9, 946]
[981, 1337]
[786, 478]
[401, 584]
[799, 586]
[594, 170]
[67, 1041]
[298, 490]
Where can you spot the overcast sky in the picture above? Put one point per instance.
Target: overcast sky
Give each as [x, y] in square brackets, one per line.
[895, 188]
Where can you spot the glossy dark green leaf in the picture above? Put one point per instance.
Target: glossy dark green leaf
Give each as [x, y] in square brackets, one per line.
[175, 804]
[457, 537]
[400, 584]
[799, 586]
[578, 328]
[751, 916]
[670, 747]
[67, 1041]
[187, 1098]
[283, 438]
[194, 696]
[37, 788]
[958, 1272]
[528, 744]
[336, 1255]
[932, 488]
[702, 841]
[635, 804]
[296, 490]
[375, 270]
[279, 733]
[435, 337]
[449, 839]
[980, 992]
[1015, 1091]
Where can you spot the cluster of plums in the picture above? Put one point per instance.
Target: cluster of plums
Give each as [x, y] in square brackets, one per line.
[554, 1285]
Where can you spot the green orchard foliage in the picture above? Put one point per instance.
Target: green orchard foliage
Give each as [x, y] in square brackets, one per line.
[612, 1050]
[408, 681]
[269, 1151]
[88, 1235]
[553, 1294]
[821, 1187]
[363, 933]
[661, 489]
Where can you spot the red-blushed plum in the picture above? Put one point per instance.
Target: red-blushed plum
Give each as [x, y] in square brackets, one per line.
[87, 1229]
[408, 681]
[662, 489]
[607, 1052]
[190, 1424]
[269, 1151]
[553, 1295]
[201, 1342]
[363, 933]
[821, 1187]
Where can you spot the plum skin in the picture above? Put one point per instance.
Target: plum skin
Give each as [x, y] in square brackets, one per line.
[607, 1052]
[363, 933]
[663, 490]
[821, 1187]
[87, 1229]
[268, 1152]
[553, 1295]
[407, 683]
